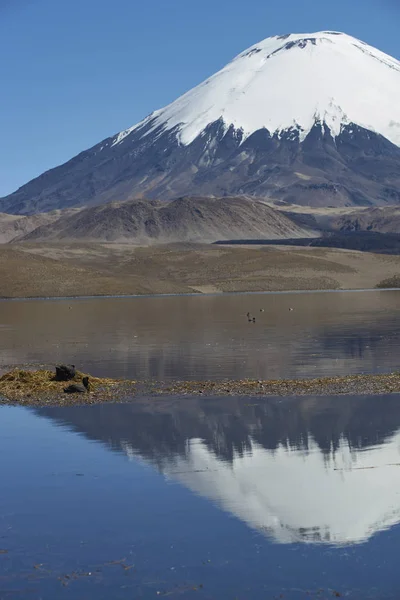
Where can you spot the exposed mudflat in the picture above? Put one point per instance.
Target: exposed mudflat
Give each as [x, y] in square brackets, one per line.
[19, 388]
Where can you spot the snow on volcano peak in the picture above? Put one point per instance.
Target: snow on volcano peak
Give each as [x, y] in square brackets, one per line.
[290, 81]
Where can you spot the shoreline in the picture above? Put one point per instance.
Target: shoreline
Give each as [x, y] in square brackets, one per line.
[194, 294]
[125, 391]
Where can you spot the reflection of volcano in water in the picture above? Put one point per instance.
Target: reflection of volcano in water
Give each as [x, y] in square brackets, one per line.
[311, 470]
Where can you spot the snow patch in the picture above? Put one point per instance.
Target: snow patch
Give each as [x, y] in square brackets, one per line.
[291, 82]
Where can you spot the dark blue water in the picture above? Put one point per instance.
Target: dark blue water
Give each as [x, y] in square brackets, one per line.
[214, 499]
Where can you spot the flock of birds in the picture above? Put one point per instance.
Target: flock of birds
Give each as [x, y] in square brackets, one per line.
[253, 319]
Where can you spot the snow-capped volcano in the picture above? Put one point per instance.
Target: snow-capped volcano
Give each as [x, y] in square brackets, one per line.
[304, 118]
[292, 81]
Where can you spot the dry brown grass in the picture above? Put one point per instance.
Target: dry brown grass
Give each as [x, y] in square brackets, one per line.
[32, 270]
[18, 383]
[390, 283]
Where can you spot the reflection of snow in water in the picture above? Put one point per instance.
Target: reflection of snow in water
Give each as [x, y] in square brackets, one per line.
[300, 496]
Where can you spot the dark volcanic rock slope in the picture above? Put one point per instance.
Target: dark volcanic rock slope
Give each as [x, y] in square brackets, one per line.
[358, 168]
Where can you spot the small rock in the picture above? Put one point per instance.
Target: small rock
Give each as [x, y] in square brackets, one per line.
[65, 372]
[78, 388]
[75, 388]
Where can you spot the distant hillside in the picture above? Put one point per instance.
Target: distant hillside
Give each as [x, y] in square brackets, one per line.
[382, 220]
[184, 219]
[15, 227]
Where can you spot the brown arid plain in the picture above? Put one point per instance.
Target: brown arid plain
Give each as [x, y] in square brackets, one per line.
[78, 269]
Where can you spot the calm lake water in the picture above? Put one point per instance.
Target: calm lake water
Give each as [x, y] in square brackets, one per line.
[228, 499]
[208, 337]
[210, 499]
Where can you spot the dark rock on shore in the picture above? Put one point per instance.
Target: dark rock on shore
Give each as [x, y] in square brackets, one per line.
[65, 372]
[78, 388]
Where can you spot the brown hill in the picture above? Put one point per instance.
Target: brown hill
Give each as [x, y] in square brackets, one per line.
[15, 227]
[184, 219]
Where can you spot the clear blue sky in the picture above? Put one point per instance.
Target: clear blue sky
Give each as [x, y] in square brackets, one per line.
[73, 72]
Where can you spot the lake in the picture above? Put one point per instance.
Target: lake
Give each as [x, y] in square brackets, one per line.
[213, 499]
[208, 337]
[209, 498]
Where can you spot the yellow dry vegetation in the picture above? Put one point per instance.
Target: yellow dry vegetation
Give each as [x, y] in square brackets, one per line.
[19, 383]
